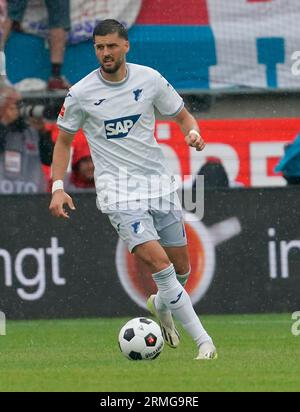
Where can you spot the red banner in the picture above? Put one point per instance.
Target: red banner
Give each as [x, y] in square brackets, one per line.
[249, 149]
[174, 12]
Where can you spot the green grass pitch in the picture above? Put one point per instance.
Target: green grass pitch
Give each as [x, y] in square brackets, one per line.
[256, 353]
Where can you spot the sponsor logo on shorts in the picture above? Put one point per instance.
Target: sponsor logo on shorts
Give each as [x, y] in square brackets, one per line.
[137, 228]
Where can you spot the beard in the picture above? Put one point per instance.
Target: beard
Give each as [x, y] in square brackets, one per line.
[112, 69]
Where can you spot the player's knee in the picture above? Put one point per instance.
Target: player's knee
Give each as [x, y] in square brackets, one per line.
[153, 256]
[162, 265]
[155, 262]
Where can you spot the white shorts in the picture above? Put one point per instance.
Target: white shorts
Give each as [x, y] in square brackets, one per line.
[150, 219]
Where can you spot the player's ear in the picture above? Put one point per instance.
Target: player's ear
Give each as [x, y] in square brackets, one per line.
[127, 45]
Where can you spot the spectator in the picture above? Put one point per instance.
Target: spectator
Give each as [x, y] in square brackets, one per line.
[23, 147]
[3, 78]
[81, 178]
[289, 165]
[214, 174]
[59, 24]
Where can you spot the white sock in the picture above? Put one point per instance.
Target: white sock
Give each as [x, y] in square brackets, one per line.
[159, 305]
[2, 64]
[176, 299]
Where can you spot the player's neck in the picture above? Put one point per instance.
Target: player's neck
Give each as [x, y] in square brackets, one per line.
[115, 77]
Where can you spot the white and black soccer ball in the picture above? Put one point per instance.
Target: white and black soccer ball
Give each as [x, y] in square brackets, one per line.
[141, 339]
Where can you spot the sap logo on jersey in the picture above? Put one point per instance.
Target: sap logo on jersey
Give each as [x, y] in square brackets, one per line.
[116, 128]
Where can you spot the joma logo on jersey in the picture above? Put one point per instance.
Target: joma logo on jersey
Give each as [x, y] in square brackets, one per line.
[120, 127]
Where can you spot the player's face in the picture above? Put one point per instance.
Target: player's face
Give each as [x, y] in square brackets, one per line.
[111, 51]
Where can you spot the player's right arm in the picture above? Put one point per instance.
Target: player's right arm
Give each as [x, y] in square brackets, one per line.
[61, 157]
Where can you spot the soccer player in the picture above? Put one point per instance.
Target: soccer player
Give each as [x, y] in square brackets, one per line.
[115, 107]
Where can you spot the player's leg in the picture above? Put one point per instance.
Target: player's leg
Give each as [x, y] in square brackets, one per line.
[174, 242]
[174, 296]
[179, 256]
[171, 230]
[155, 258]
[136, 228]
[153, 255]
[180, 259]
[173, 239]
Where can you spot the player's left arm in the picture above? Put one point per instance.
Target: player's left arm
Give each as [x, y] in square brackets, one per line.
[189, 127]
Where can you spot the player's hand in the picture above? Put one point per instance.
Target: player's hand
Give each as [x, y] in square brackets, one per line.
[194, 139]
[59, 200]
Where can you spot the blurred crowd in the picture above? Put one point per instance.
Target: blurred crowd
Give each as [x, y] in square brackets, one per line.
[26, 148]
[58, 24]
[27, 139]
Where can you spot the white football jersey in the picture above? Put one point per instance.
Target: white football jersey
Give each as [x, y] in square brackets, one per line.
[118, 121]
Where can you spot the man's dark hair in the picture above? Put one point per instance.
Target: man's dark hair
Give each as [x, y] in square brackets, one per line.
[110, 26]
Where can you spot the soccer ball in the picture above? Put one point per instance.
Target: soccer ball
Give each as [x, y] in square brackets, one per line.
[141, 339]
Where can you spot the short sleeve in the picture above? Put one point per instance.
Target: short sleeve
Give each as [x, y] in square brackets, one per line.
[166, 99]
[70, 118]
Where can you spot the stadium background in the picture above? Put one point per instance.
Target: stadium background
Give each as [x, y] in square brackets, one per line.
[232, 62]
[235, 74]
